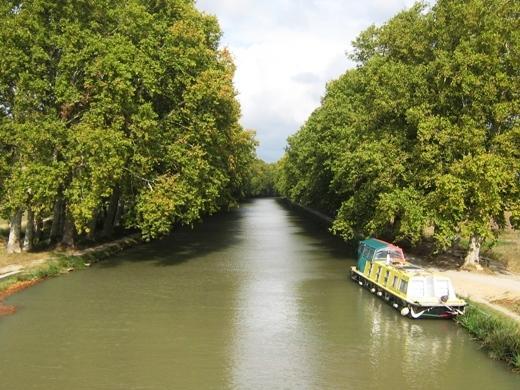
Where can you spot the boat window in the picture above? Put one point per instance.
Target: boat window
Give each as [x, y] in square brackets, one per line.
[378, 273]
[394, 255]
[416, 289]
[368, 253]
[442, 288]
[386, 276]
[394, 284]
[404, 286]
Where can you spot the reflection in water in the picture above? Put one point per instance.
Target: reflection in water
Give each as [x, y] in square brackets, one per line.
[267, 340]
[255, 299]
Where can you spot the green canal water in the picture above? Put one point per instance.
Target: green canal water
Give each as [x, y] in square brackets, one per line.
[255, 299]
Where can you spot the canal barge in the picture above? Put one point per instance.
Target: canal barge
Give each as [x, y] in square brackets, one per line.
[382, 268]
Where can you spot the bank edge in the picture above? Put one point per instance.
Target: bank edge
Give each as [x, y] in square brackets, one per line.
[497, 334]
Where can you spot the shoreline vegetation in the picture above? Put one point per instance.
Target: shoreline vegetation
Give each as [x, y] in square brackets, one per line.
[105, 128]
[498, 335]
[137, 129]
[115, 118]
[418, 144]
[57, 263]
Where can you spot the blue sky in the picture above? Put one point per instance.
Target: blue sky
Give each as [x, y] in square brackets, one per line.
[286, 51]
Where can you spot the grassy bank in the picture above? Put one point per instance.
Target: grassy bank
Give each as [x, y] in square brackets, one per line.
[30, 277]
[54, 267]
[506, 250]
[497, 334]
[63, 263]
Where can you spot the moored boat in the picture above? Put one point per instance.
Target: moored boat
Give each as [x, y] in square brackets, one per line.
[415, 292]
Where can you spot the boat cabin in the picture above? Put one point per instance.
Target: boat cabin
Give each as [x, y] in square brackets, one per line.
[430, 288]
[382, 268]
[377, 250]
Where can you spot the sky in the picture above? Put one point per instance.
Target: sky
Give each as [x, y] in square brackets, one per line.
[285, 52]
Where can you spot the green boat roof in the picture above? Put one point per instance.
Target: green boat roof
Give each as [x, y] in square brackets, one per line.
[376, 244]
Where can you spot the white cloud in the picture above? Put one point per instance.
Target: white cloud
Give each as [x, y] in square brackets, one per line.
[286, 51]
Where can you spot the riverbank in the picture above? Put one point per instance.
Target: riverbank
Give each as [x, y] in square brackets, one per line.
[205, 307]
[17, 276]
[493, 313]
[498, 335]
[495, 287]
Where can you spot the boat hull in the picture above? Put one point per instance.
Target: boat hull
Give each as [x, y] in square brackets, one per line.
[409, 309]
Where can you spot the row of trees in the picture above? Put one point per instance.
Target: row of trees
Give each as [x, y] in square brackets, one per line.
[423, 133]
[115, 112]
[262, 177]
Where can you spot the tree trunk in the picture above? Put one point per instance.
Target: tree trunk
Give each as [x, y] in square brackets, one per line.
[15, 230]
[108, 225]
[69, 232]
[472, 260]
[38, 229]
[92, 225]
[57, 222]
[28, 242]
[119, 213]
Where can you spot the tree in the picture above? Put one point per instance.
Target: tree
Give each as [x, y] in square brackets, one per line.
[423, 133]
[261, 181]
[116, 113]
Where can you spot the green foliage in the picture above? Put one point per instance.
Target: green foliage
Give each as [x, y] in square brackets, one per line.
[423, 133]
[132, 98]
[498, 335]
[261, 183]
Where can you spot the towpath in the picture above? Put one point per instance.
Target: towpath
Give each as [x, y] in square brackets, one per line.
[486, 288]
[99, 251]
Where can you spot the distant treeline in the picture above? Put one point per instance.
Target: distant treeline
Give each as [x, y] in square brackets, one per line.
[262, 180]
[115, 112]
[423, 134]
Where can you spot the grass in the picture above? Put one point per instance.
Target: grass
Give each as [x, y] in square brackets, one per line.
[512, 304]
[20, 258]
[52, 268]
[506, 250]
[499, 335]
[500, 255]
[24, 258]
[57, 263]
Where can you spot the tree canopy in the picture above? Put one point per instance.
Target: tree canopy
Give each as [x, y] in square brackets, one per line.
[424, 132]
[116, 112]
[261, 181]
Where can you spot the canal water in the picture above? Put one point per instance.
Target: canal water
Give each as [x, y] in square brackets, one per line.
[258, 298]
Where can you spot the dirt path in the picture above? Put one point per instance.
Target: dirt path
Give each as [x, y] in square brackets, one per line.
[486, 288]
[105, 249]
